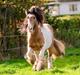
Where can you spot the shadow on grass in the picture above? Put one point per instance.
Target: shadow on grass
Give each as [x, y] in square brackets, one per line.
[58, 71]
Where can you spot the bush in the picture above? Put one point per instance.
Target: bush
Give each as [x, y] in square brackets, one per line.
[66, 28]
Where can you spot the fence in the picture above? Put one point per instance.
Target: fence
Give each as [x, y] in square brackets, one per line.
[11, 41]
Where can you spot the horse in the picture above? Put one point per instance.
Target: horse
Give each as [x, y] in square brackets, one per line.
[40, 38]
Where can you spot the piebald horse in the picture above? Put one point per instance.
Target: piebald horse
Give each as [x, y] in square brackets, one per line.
[39, 39]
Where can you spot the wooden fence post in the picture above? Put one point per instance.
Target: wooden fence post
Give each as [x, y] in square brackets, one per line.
[4, 30]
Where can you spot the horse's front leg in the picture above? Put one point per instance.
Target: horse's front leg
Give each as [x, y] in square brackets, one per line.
[36, 61]
[40, 59]
[30, 56]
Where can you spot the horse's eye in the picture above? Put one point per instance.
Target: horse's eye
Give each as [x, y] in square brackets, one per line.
[33, 17]
[26, 26]
[27, 17]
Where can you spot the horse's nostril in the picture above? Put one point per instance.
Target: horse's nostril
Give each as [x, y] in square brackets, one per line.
[26, 26]
[30, 28]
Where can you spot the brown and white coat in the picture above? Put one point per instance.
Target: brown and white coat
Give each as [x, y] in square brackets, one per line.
[39, 39]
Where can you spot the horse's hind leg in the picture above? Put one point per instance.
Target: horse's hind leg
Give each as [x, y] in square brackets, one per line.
[49, 59]
[51, 55]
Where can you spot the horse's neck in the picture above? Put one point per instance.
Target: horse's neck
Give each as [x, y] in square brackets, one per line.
[36, 40]
[36, 31]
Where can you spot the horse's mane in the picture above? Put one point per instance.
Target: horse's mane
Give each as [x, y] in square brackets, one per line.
[37, 12]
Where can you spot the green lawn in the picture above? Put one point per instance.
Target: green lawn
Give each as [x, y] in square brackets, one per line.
[68, 65]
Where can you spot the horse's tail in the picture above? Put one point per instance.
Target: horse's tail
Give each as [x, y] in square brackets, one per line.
[59, 46]
[58, 49]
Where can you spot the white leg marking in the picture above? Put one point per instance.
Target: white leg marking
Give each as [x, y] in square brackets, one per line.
[49, 62]
[29, 53]
[36, 62]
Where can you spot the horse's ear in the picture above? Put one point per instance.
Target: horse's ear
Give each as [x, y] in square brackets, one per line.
[26, 12]
[42, 8]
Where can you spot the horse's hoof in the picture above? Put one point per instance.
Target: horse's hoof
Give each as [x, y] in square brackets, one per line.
[39, 66]
[49, 66]
[34, 67]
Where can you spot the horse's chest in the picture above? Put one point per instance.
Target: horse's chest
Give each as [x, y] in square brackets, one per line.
[36, 43]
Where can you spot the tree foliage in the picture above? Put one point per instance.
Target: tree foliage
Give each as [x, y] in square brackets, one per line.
[11, 14]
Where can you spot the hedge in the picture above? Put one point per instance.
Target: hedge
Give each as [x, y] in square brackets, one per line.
[66, 28]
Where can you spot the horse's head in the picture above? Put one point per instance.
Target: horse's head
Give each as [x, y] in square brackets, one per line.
[33, 17]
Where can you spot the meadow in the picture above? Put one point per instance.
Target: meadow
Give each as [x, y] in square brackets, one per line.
[67, 65]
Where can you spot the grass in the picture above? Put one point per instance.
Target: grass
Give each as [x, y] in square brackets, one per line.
[68, 65]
